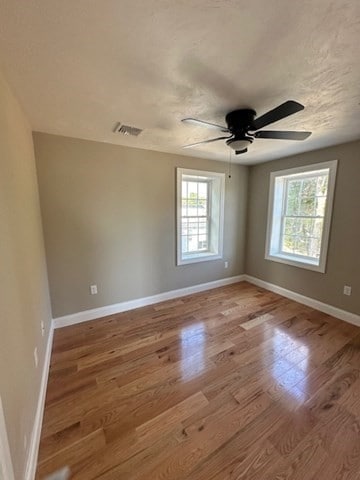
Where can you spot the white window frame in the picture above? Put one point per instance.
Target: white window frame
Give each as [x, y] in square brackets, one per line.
[275, 214]
[216, 182]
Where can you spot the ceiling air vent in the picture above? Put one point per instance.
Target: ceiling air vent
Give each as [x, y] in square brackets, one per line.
[127, 130]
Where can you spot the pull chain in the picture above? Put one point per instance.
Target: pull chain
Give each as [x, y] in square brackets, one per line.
[229, 174]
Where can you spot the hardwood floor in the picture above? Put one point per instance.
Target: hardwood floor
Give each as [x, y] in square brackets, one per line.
[232, 383]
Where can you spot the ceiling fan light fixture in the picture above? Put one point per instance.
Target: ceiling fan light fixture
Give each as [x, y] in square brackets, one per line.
[240, 143]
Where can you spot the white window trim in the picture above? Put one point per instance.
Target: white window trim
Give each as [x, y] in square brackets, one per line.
[303, 262]
[200, 256]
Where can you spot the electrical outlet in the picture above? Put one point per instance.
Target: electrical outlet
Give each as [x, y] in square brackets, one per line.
[347, 290]
[36, 359]
[93, 289]
[226, 264]
[42, 328]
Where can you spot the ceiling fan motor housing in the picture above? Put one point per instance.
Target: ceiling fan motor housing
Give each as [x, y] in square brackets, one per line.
[240, 121]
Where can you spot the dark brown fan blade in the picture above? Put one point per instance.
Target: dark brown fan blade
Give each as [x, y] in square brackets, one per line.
[205, 141]
[278, 113]
[238, 152]
[282, 135]
[194, 121]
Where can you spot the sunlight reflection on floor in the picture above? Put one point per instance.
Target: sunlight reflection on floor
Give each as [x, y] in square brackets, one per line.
[292, 378]
[193, 340]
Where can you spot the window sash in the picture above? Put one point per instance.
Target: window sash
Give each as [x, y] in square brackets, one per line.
[199, 218]
[205, 234]
[285, 216]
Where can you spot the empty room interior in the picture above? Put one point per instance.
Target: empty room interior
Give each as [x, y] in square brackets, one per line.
[179, 241]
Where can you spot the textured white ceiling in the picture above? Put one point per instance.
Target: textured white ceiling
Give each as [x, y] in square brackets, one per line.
[78, 67]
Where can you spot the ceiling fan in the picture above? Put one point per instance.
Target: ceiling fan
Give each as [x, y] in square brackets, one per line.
[243, 127]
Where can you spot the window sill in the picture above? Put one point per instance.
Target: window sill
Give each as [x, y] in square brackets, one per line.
[199, 257]
[295, 262]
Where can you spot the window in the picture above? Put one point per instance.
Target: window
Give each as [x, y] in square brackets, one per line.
[200, 213]
[300, 209]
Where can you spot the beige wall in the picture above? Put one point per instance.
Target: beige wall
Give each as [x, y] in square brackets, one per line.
[343, 266]
[109, 218]
[24, 300]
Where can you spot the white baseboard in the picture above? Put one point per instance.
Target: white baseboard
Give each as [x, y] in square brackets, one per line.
[310, 302]
[31, 463]
[95, 313]
[87, 315]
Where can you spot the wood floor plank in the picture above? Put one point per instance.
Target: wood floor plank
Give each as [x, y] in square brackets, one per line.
[233, 383]
[254, 465]
[292, 431]
[83, 448]
[234, 452]
[203, 438]
[172, 416]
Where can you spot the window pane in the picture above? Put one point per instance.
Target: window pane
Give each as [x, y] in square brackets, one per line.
[290, 226]
[202, 227]
[320, 206]
[302, 246]
[192, 189]
[202, 207]
[307, 206]
[203, 190]
[299, 226]
[191, 198]
[192, 243]
[202, 242]
[322, 185]
[288, 244]
[306, 226]
[292, 201]
[309, 186]
[192, 208]
[193, 226]
[302, 236]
